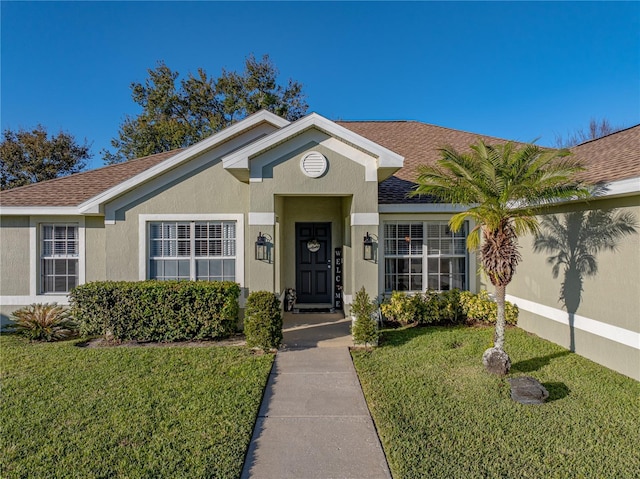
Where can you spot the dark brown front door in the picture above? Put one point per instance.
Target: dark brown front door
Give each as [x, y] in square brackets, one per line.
[313, 263]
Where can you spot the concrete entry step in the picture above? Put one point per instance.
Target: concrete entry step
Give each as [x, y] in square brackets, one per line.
[316, 330]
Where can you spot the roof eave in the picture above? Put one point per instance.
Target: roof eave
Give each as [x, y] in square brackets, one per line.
[94, 204]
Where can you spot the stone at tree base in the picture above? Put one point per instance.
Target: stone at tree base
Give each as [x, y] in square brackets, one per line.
[527, 390]
[496, 361]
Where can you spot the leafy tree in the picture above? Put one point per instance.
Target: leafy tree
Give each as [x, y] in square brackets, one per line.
[177, 116]
[505, 186]
[31, 156]
[597, 129]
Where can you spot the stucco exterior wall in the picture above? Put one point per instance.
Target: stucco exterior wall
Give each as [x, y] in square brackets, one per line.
[608, 303]
[95, 237]
[209, 190]
[294, 197]
[14, 255]
[14, 262]
[343, 177]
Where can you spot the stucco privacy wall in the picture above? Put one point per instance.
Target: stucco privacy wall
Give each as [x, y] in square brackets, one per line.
[606, 324]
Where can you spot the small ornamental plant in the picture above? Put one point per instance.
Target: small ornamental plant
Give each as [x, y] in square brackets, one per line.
[364, 328]
[481, 308]
[263, 321]
[401, 308]
[44, 322]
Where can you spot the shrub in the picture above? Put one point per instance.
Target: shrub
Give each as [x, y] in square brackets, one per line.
[44, 322]
[263, 320]
[480, 307]
[402, 308]
[364, 328]
[157, 310]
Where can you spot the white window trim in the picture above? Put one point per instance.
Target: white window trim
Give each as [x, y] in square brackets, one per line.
[470, 273]
[35, 295]
[144, 222]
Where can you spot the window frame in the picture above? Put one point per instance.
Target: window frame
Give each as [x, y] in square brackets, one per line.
[424, 255]
[53, 256]
[145, 257]
[36, 293]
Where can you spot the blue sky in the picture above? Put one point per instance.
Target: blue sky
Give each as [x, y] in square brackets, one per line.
[515, 70]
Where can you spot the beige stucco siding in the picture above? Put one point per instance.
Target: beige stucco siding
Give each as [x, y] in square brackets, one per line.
[295, 197]
[14, 256]
[610, 298]
[95, 237]
[209, 190]
[344, 177]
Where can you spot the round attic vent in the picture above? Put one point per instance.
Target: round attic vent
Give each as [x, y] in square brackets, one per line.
[313, 164]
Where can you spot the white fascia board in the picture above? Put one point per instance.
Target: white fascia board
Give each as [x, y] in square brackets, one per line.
[422, 208]
[623, 187]
[39, 210]
[92, 205]
[240, 158]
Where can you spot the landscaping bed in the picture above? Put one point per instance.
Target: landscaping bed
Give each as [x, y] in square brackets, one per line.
[69, 411]
[440, 415]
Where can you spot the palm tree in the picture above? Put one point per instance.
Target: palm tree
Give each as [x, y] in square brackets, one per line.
[505, 186]
[574, 241]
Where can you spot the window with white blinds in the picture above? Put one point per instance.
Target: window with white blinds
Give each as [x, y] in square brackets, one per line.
[421, 255]
[58, 257]
[195, 250]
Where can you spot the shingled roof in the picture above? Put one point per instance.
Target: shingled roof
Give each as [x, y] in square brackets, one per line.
[74, 190]
[611, 158]
[418, 143]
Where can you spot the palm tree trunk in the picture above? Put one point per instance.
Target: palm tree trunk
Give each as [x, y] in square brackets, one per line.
[500, 321]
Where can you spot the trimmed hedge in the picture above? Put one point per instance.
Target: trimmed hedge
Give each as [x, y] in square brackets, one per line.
[263, 320]
[156, 310]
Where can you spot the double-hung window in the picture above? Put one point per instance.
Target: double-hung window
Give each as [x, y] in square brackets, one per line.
[59, 248]
[195, 250]
[420, 255]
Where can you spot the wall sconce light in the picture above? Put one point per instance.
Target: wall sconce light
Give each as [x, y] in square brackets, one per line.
[263, 247]
[368, 253]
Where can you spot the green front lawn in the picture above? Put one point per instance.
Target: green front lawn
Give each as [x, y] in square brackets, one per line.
[439, 415]
[67, 411]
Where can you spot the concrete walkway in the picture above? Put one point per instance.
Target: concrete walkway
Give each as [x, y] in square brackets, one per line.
[313, 422]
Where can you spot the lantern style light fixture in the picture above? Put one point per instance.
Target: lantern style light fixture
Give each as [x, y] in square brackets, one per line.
[367, 249]
[263, 247]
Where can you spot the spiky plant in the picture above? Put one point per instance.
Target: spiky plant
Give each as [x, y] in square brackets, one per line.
[504, 186]
[44, 322]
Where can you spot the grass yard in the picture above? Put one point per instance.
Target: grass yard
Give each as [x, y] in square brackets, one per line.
[176, 412]
[440, 415]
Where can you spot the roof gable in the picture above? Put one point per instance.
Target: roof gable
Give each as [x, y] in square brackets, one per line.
[386, 161]
[244, 126]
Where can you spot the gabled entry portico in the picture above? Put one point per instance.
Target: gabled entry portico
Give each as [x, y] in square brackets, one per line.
[313, 180]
